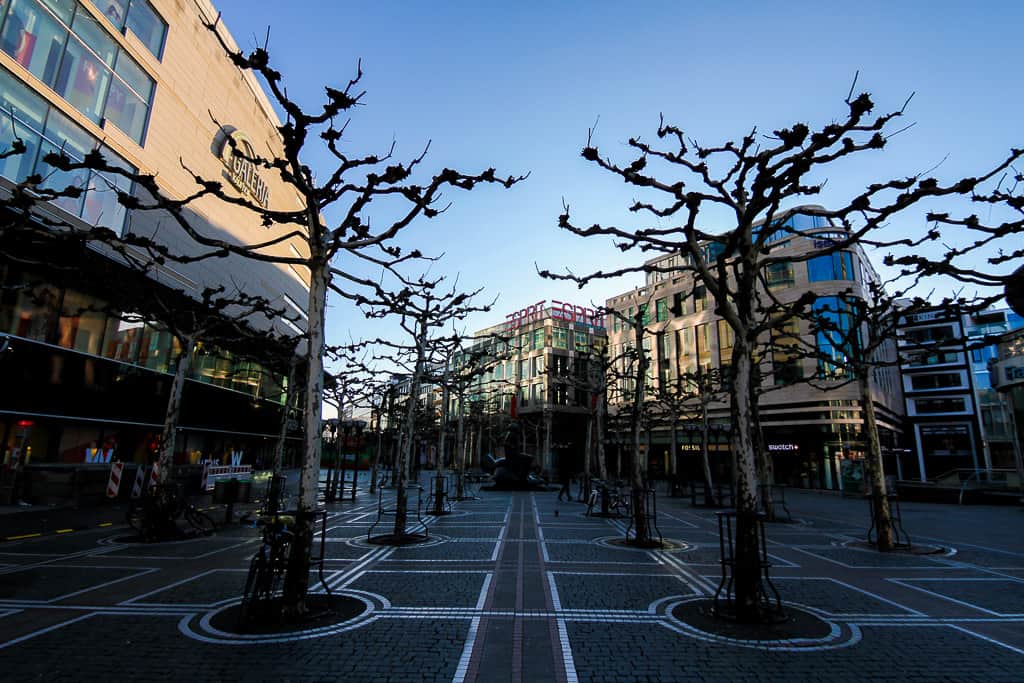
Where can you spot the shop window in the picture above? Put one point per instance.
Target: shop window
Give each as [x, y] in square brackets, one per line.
[835, 266]
[82, 322]
[155, 349]
[121, 339]
[35, 313]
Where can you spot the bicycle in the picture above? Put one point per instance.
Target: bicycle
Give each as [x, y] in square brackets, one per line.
[268, 565]
[154, 516]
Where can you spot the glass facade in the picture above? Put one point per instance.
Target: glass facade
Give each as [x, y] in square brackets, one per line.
[27, 117]
[63, 46]
[835, 266]
[138, 16]
[73, 320]
[835, 340]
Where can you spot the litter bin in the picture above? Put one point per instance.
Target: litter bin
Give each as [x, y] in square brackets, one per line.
[225, 491]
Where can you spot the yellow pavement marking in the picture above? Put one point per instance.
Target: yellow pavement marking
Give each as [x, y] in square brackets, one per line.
[64, 531]
[18, 538]
[107, 524]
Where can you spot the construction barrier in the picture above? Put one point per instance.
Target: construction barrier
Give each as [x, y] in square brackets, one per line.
[205, 476]
[215, 472]
[114, 484]
[140, 481]
[154, 475]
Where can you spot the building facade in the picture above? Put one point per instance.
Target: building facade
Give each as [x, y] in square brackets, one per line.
[955, 419]
[538, 376]
[812, 430]
[145, 83]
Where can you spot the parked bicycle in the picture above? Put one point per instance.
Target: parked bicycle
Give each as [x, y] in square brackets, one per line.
[154, 516]
[268, 565]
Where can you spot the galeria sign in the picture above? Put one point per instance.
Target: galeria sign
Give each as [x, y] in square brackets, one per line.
[237, 155]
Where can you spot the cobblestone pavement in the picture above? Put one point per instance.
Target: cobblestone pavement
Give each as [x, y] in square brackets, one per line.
[520, 587]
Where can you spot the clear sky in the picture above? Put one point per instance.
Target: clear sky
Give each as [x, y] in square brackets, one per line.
[516, 85]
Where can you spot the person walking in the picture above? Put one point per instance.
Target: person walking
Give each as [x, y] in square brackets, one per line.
[565, 479]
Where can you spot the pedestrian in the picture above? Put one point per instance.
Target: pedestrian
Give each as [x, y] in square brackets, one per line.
[565, 478]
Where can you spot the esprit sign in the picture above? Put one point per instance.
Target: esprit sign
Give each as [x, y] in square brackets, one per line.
[560, 310]
[236, 154]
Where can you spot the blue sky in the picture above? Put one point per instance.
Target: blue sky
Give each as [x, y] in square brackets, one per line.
[516, 85]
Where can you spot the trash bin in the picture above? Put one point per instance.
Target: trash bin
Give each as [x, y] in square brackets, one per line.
[225, 491]
[243, 490]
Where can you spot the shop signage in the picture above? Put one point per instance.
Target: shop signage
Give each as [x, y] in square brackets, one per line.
[783, 447]
[1014, 373]
[560, 310]
[242, 171]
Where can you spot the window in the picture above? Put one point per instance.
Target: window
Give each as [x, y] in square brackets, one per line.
[82, 321]
[560, 338]
[726, 339]
[835, 266]
[582, 343]
[786, 365]
[538, 338]
[65, 48]
[524, 369]
[661, 310]
[780, 275]
[645, 314]
[921, 358]
[538, 366]
[678, 304]
[140, 17]
[700, 298]
[927, 406]
[835, 340]
[702, 337]
[43, 129]
[943, 380]
[930, 335]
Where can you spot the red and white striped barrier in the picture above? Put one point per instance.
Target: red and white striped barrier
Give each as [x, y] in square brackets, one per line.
[140, 481]
[114, 485]
[205, 478]
[154, 476]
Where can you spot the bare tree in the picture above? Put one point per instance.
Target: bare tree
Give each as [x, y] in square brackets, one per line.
[752, 184]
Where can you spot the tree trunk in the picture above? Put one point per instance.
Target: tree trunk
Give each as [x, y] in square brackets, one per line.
[296, 581]
[165, 458]
[747, 543]
[602, 465]
[282, 432]
[875, 465]
[460, 447]
[402, 493]
[639, 498]
[439, 479]
[705, 459]
[376, 456]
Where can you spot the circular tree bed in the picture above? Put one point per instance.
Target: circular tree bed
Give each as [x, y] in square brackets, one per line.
[323, 610]
[901, 548]
[653, 544]
[793, 623]
[398, 539]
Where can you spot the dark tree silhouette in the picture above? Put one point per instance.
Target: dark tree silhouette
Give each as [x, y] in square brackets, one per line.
[753, 184]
